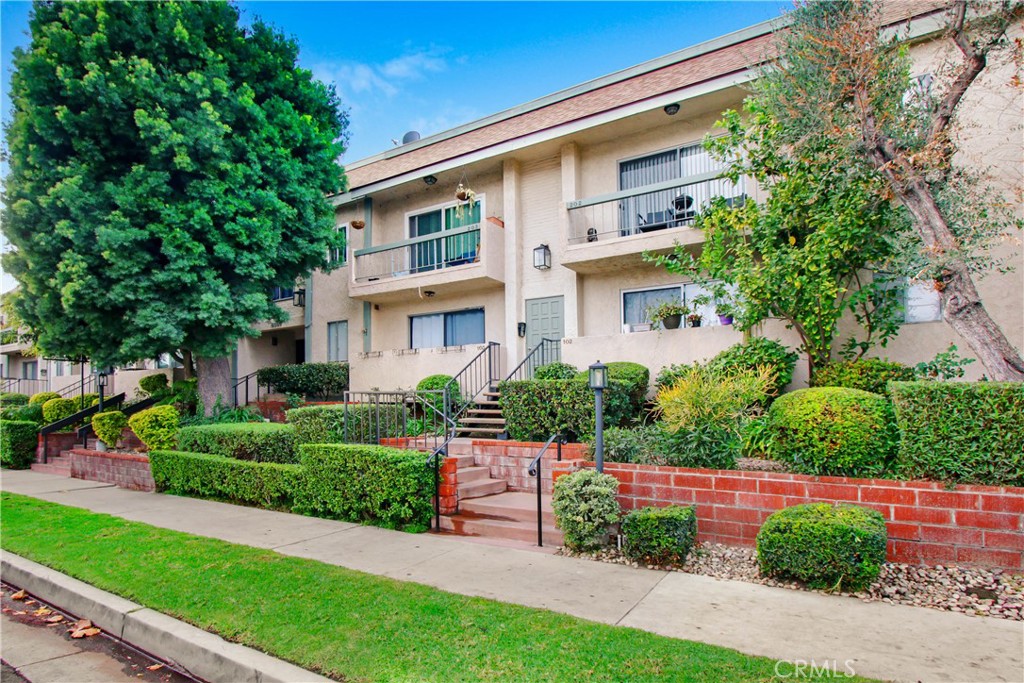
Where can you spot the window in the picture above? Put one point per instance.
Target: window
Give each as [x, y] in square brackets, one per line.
[457, 250]
[635, 303]
[337, 340]
[59, 368]
[919, 301]
[281, 293]
[447, 329]
[167, 360]
[30, 369]
[339, 256]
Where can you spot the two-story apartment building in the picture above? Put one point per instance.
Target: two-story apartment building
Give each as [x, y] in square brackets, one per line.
[570, 190]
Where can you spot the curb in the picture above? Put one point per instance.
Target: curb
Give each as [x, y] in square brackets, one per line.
[195, 651]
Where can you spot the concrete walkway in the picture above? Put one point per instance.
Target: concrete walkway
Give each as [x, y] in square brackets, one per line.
[874, 639]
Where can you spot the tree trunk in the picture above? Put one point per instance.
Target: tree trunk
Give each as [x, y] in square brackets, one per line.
[214, 383]
[188, 363]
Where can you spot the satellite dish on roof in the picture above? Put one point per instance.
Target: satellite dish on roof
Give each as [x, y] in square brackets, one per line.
[411, 136]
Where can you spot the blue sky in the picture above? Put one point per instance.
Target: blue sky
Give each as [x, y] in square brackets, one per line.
[429, 66]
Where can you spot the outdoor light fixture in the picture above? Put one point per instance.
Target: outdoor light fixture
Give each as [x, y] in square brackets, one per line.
[430, 180]
[672, 109]
[598, 382]
[542, 257]
[103, 379]
[299, 298]
[521, 329]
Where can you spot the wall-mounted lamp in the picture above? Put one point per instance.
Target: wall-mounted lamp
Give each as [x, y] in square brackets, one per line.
[430, 180]
[542, 257]
[273, 341]
[521, 329]
[299, 298]
[672, 109]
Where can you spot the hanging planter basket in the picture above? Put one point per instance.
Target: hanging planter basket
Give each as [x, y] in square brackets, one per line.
[358, 225]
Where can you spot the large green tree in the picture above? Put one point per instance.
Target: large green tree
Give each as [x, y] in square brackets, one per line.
[168, 166]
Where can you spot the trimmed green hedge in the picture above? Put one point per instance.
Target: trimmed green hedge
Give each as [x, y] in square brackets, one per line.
[13, 399]
[320, 380]
[18, 440]
[585, 508]
[57, 409]
[840, 547]
[556, 370]
[636, 377]
[109, 425]
[755, 353]
[258, 441]
[348, 423]
[383, 486]
[866, 374]
[154, 384]
[833, 431]
[156, 427]
[659, 536]
[536, 409]
[42, 397]
[962, 432]
[270, 485]
[32, 412]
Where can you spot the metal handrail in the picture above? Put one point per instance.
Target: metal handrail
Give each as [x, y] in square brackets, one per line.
[46, 430]
[539, 348]
[245, 381]
[78, 387]
[534, 471]
[473, 370]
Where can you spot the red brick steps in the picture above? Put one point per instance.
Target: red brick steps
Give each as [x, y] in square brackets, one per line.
[60, 466]
[510, 516]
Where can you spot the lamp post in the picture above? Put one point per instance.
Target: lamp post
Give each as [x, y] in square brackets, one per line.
[101, 381]
[598, 382]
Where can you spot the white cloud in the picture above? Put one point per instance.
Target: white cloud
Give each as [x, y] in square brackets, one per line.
[384, 79]
[447, 115]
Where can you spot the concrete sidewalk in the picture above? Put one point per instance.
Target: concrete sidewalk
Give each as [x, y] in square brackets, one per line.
[877, 640]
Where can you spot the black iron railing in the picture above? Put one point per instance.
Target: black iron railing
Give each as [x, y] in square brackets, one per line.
[241, 388]
[22, 385]
[369, 416]
[547, 351]
[46, 430]
[82, 386]
[480, 374]
[534, 470]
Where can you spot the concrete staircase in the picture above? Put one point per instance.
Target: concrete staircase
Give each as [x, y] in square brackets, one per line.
[61, 465]
[483, 419]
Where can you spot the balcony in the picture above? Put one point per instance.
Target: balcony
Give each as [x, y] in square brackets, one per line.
[612, 231]
[462, 259]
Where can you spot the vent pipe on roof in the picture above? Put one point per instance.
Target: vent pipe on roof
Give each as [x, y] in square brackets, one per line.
[411, 136]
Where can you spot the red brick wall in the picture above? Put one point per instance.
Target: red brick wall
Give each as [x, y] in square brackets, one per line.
[55, 443]
[927, 523]
[509, 460]
[127, 470]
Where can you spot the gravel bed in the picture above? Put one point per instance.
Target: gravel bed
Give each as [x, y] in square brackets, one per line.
[969, 590]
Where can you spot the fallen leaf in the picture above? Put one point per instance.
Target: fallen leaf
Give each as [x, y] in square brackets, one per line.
[55, 619]
[42, 612]
[85, 633]
[155, 667]
[20, 595]
[21, 611]
[82, 624]
[30, 602]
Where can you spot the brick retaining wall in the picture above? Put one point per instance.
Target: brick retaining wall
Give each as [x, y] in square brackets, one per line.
[927, 522]
[126, 470]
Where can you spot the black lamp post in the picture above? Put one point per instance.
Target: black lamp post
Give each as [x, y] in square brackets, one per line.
[102, 378]
[598, 382]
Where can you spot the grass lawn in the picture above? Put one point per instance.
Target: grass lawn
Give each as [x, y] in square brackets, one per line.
[349, 625]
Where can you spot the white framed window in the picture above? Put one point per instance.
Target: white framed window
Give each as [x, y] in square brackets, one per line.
[337, 340]
[456, 250]
[339, 256]
[919, 301]
[454, 328]
[636, 302]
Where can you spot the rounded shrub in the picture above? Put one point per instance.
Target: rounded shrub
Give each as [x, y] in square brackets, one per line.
[585, 507]
[635, 376]
[756, 353]
[435, 401]
[866, 374]
[86, 400]
[154, 384]
[838, 547]
[18, 440]
[42, 397]
[555, 371]
[109, 425]
[833, 431]
[31, 412]
[57, 409]
[12, 399]
[156, 427]
[659, 536]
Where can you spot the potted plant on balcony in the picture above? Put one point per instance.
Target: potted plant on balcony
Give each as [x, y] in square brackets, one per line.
[358, 225]
[668, 314]
[466, 195]
[694, 319]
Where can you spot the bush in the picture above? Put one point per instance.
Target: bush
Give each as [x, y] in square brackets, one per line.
[670, 374]
[56, 409]
[706, 446]
[257, 441]
[833, 431]
[866, 374]
[18, 441]
[31, 412]
[348, 423]
[154, 385]
[555, 371]
[966, 432]
[320, 380]
[585, 508]
[534, 410]
[641, 445]
[214, 476]
[433, 404]
[756, 353]
[636, 378]
[659, 536]
[12, 399]
[837, 547]
[382, 486]
[83, 401]
[42, 397]
[156, 427]
[109, 425]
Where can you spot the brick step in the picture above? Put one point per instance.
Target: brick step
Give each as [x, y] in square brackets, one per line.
[473, 473]
[462, 460]
[515, 506]
[52, 468]
[499, 529]
[485, 487]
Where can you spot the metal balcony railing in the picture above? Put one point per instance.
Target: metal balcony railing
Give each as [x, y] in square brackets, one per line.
[455, 247]
[659, 206]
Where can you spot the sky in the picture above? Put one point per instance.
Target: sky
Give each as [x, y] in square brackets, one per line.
[430, 66]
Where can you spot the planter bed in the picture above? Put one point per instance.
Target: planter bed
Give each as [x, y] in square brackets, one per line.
[126, 469]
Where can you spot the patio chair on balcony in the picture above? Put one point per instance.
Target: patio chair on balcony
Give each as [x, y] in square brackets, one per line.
[682, 209]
